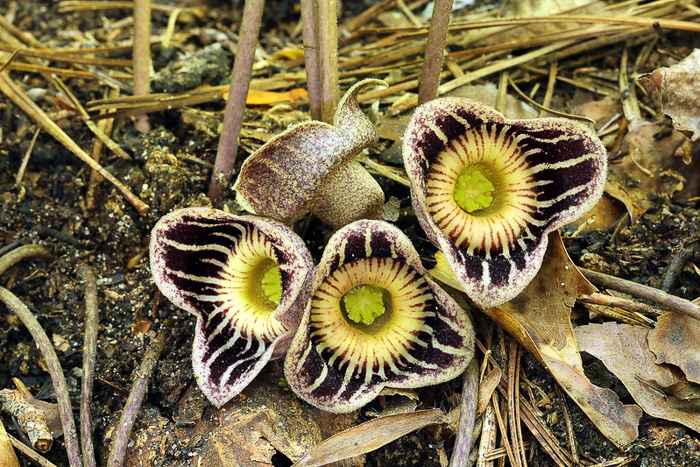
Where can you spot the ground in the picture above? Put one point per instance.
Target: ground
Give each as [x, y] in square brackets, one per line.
[169, 168]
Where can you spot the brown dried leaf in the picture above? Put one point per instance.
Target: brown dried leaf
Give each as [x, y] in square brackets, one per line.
[8, 457]
[649, 167]
[369, 436]
[675, 91]
[540, 319]
[624, 351]
[676, 340]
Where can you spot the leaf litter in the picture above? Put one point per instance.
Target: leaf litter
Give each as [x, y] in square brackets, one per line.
[170, 170]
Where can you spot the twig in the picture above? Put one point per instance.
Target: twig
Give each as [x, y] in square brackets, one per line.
[235, 106]
[31, 420]
[25, 159]
[434, 50]
[54, 368]
[672, 302]
[87, 275]
[514, 403]
[467, 415]
[133, 402]
[30, 453]
[18, 254]
[680, 258]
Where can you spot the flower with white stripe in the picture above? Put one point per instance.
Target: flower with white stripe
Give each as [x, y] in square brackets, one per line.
[245, 278]
[375, 319]
[488, 190]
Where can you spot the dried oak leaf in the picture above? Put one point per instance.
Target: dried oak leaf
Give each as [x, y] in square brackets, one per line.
[624, 351]
[676, 340]
[540, 319]
[675, 91]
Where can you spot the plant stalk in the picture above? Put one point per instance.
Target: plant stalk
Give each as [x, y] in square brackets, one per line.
[434, 49]
[235, 106]
[142, 57]
[309, 21]
[327, 31]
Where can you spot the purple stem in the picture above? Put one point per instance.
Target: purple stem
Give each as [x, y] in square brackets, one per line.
[328, 57]
[434, 48]
[87, 275]
[133, 402]
[467, 416]
[55, 371]
[309, 16]
[142, 56]
[235, 106]
[678, 304]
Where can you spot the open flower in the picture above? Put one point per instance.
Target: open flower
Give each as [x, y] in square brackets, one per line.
[375, 320]
[244, 278]
[313, 167]
[487, 190]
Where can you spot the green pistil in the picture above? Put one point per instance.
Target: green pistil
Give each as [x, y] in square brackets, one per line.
[473, 191]
[271, 284]
[364, 303]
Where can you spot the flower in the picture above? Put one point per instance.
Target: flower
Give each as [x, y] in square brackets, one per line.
[313, 167]
[245, 278]
[487, 190]
[375, 319]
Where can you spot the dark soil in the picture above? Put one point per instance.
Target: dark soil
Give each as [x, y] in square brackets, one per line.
[50, 209]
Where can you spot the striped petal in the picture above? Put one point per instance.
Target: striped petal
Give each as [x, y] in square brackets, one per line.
[544, 173]
[313, 167]
[422, 338]
[223, 268]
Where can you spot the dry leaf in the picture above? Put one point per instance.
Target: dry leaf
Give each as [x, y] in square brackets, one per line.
[675, 91]
[8, 458]
[369, 436]
[540, 319]
[649, 167]
[676, 340]
[624, 351]
[256, 97]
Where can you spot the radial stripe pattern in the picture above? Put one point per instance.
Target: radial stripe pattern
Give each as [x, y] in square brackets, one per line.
[545, 173]
[425, 337]
[211, 263]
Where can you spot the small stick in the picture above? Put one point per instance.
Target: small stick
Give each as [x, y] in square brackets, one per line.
[87, 275]
[133, 402]
[672, 302]
[25, 159]
[434, 49]
[54, 368]
[678, 262]
[235, 106]
[30, 453]
[31, 420]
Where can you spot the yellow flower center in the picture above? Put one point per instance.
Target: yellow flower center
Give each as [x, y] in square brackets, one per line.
[473, 190]
[364, 303]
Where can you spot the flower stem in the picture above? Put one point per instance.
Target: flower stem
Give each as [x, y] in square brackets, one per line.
[235, 106]
[327, 36]
[133, 402]
[434, 48]
[467, 415]
[142, 56]
[87, 275]
[53, 366]
[309, 22]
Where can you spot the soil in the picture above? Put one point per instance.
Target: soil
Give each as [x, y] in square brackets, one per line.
[170, 168]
